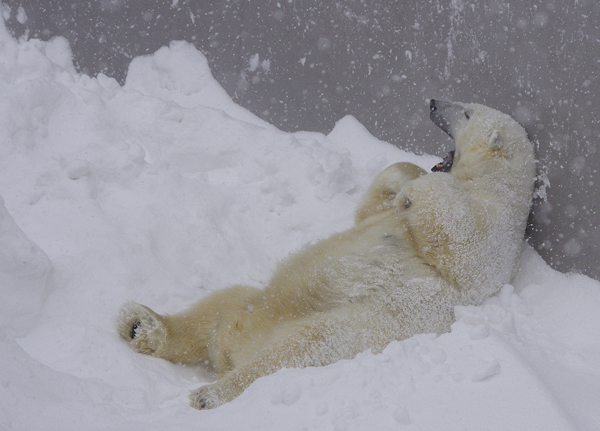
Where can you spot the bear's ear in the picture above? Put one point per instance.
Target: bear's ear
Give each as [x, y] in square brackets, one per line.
[495, 140]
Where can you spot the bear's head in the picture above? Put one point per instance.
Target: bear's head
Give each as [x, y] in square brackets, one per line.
[485, 140]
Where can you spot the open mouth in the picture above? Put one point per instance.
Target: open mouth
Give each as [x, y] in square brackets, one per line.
[445, 165]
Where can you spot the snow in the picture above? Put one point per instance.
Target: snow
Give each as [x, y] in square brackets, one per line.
[164, 190]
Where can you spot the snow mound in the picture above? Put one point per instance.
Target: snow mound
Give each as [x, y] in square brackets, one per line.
[24, 273]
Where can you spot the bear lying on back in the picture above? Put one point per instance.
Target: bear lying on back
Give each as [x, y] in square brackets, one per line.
[422, 244]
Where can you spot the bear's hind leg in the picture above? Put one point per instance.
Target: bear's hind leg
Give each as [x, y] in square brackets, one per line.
[316, 340]
[189, 337]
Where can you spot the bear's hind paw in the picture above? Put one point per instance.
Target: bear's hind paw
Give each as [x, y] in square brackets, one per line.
[141, 327]
[204, 398]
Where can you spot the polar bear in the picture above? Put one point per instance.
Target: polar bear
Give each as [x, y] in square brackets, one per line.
[422, 244]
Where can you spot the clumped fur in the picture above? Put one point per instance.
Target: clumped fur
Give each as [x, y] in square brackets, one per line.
[422, 244]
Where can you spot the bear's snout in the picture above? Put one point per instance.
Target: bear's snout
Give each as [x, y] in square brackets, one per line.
[437, 109]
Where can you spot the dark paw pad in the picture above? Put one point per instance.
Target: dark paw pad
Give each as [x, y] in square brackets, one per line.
[135, 326]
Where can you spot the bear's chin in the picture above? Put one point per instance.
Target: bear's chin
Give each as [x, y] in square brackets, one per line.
[446, 164]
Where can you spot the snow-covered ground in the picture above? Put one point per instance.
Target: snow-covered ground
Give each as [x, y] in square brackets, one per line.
[164, 190]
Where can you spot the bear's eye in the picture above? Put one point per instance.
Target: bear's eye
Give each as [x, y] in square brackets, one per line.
[467, 115]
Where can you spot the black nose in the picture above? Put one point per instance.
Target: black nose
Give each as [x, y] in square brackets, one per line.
[432, 105]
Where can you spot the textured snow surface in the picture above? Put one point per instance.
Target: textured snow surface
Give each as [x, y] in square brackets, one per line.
[164, 190]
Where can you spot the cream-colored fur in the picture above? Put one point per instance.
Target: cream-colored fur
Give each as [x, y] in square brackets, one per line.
[422, 243]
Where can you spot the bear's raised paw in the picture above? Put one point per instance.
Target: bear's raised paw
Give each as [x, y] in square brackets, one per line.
[142, 328]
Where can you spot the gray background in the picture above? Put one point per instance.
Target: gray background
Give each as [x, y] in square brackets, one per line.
[379, 60]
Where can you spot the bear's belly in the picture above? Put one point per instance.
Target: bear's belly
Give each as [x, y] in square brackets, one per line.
[385, 271]
[372, 263]
[377, 262]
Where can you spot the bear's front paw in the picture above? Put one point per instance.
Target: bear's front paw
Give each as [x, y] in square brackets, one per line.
[142, 328]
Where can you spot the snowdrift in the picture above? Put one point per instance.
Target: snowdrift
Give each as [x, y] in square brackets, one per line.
[164, 190]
